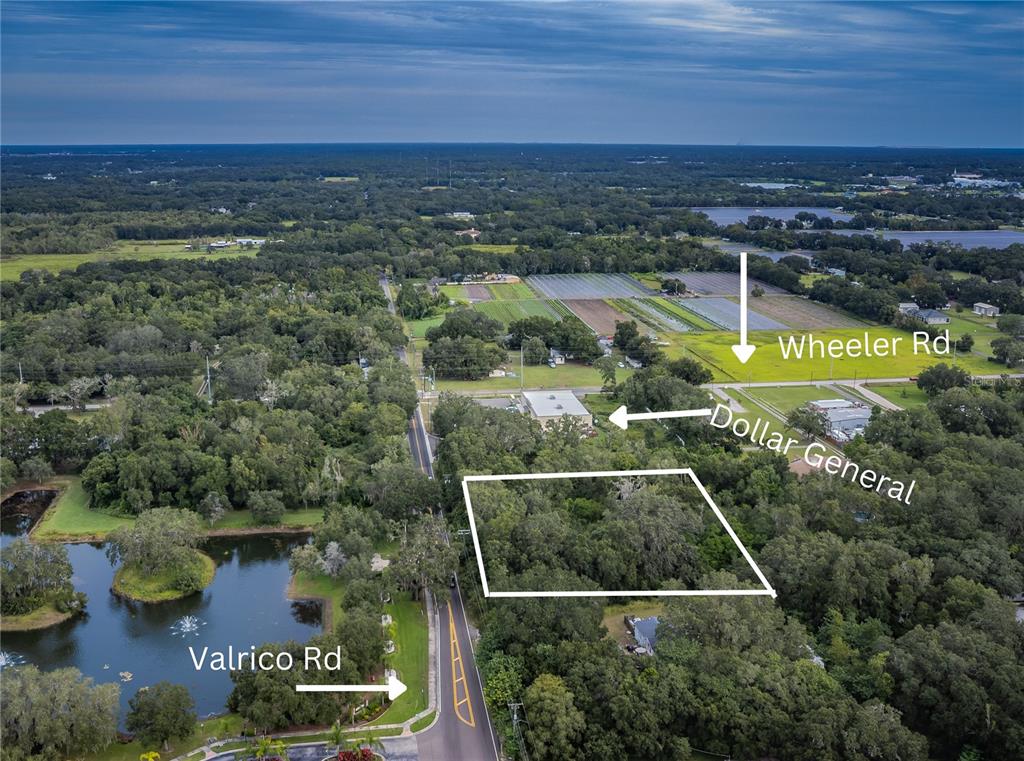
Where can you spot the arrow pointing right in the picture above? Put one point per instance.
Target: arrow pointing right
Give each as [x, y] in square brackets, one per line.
[743, 350]
[393, 688]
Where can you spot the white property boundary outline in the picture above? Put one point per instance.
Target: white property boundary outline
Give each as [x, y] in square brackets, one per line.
[767, 590]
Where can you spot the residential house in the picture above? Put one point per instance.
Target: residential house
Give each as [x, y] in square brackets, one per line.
[985, 310]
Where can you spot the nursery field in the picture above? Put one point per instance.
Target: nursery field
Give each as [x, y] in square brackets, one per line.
[510, 311]
[591, 285]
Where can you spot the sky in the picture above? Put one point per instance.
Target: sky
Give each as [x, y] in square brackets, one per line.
[700, 72]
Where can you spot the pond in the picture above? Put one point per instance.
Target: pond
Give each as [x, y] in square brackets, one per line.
[20, 511]
[245, 605]
[727, 215]
[965, 238]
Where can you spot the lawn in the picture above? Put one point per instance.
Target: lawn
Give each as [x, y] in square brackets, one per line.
[788, 398]
[767, 364]
[423, 723]
[419, 328]
[409, 659]
[906, 395]
[228, 725]
[753, 411]
[12, 267]
[331, 591]
[490, 248]
[614, 615]
[44, 616]
[511, 291]
[569, 375]
[981, 328]
[70, 517]
[510, 311]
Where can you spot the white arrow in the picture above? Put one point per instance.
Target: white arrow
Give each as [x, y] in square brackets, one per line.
[743, 350]
[393, 688]
[621, 418]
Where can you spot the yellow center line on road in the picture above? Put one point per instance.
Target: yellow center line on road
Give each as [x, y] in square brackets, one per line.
[459, 675]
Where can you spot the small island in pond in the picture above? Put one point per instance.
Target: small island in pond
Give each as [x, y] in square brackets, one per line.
[159, 556]
[35, 587]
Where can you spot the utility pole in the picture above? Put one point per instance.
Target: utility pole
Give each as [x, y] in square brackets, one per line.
[517, 728]
[209, 382]
[522, 368]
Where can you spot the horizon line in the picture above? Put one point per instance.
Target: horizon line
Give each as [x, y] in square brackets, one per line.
[877, 146]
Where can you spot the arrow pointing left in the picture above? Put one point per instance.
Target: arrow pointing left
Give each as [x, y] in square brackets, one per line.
[621, 417]
[393, 688]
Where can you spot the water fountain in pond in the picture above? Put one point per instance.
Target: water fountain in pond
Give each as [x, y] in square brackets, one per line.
[187, 626]
[10, 659]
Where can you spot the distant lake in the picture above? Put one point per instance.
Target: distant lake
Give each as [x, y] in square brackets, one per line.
[965, 238]
[734, 248]
[771, 185]
[727, 215]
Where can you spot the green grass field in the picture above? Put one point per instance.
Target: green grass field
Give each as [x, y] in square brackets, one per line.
[981, 328]
[419, 328]
[409, 659]
[490, 248]
[12, 267]
[906, 395]
[510, 311]
[304, 585]
[455, 292]
[423, 723]
[511, 291]
[569, 375]
[767, 364]
[71, 518]
[788, 398]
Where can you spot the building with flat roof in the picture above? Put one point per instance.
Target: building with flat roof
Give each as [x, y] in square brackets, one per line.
[551, 406]
[985, 310]
[843, 419]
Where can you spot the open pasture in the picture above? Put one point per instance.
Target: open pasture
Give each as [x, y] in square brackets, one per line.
[726, 314]
[719, 283]
[767, 364]
[591, 285]
[803, 313]
[124, 250]
[599, 315]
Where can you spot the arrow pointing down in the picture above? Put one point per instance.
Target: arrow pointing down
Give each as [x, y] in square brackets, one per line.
[621, 417]
[743, 350]
[393, 688]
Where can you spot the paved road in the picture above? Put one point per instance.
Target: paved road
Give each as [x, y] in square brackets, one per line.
[463, 730]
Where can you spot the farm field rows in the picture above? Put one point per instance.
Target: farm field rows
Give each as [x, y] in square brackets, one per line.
[12, 267]
[591, 285]
[478, 292]
[509, 311]
[671, 306]
[726, 313]
[803, 313]
[511, 291]
[719, 283]
[599, 315]
[658, 319]
[455, 292]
